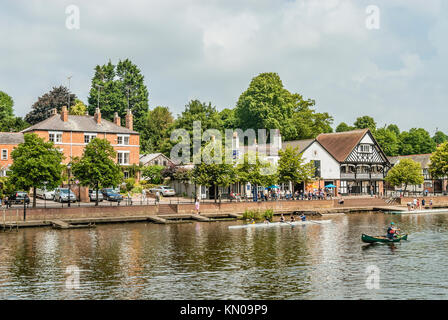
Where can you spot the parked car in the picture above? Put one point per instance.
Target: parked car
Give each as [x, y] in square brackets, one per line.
[92, 195]
[17, 197]
[45, 194]
[111, 195]
[63, 195]
[164, 191]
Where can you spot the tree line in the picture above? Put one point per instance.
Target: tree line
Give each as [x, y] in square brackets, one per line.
[265, 104]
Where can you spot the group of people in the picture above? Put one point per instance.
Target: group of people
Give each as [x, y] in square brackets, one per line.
[302, 217]
[416, 204]
[278, 194]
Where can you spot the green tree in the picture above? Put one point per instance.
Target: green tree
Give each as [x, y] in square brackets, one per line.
[438, 166]
[158, 122]
[153, 174]
[365, 122]
[78, 109]
[394, 128]
[97, 167]
[228, 118]
[266, 104]
[292, 167]
[214, 173]
[6, 106]
[440, 137]
[388, 141]
[343, 127]
[14, 124]
[407, 172]
[36, 164]
[117, 84]
[416, 141]
[195, 110]
[56, 98]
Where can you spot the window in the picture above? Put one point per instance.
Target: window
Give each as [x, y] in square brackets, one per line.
[316, 168]
[126, 174]
[123, 157]
[55, 137]
[123, 140]
[156, 162]
[4, 154]
[364, 148]
[89, 137]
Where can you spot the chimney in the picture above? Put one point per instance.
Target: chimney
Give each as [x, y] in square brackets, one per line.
[117, 119]
[129, 120]
[53, 111]
[97, 116]
[64, 114]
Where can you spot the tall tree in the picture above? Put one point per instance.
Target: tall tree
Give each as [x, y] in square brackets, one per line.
[120, 86]
[416, 141]
[158, 122]
[6, 106]
[56, 98]
[97, 168]
[388, 141]
[343, 127]
[266, 104]
[407, 172]
[36, 164]
[440, 137]
[365, 122]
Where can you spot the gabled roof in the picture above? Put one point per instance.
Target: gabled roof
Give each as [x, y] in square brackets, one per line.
[11, 138]
[301, 144]
[341, 144]
[145, 158]
[78, 123]
[423, 159]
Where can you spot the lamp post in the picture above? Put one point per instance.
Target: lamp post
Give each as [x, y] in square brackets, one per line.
[69, 166]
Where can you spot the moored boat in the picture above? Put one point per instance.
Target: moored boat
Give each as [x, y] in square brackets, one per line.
[371, 239]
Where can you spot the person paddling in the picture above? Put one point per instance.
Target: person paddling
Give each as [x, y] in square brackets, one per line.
[292, 218]
[303, 217]
[266, 220]
[282, 218]
[392, 231]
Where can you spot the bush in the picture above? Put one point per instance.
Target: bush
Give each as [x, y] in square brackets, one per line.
[137, 189]
[130, 183]
[257, 215]
[269, 213]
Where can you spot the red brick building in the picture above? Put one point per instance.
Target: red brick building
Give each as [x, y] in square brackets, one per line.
[71, 134]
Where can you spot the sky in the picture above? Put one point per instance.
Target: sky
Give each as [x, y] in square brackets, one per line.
[389, 62]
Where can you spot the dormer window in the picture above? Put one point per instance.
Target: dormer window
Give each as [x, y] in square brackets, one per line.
[365, 148]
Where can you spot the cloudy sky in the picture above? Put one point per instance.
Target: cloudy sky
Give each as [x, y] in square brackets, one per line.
[210, 50]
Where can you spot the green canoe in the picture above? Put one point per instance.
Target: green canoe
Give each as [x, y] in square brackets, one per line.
[370, 239]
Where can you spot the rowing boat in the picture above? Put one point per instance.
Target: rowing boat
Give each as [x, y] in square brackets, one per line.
[418, 211]
[278, 224]
[371, 239]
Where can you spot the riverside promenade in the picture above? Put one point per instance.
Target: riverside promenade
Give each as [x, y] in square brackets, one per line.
[164, 213]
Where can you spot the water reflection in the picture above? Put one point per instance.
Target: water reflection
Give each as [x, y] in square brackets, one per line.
[209, 261]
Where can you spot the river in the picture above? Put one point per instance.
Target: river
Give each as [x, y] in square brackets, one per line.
[210, 261]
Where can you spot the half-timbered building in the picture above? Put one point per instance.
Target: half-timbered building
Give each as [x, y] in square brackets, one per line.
[352, 161]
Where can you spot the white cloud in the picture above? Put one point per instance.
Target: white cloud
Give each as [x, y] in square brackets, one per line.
[211, 49]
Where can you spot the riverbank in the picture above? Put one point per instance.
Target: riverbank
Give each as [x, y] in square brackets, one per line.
[66, 218]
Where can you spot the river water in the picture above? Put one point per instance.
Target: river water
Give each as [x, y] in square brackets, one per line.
[210, 261]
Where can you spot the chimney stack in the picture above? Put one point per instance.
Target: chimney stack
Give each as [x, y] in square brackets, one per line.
[64, 114]
[129, 120]
[117, 119]
[54, 111]
[97, 116]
